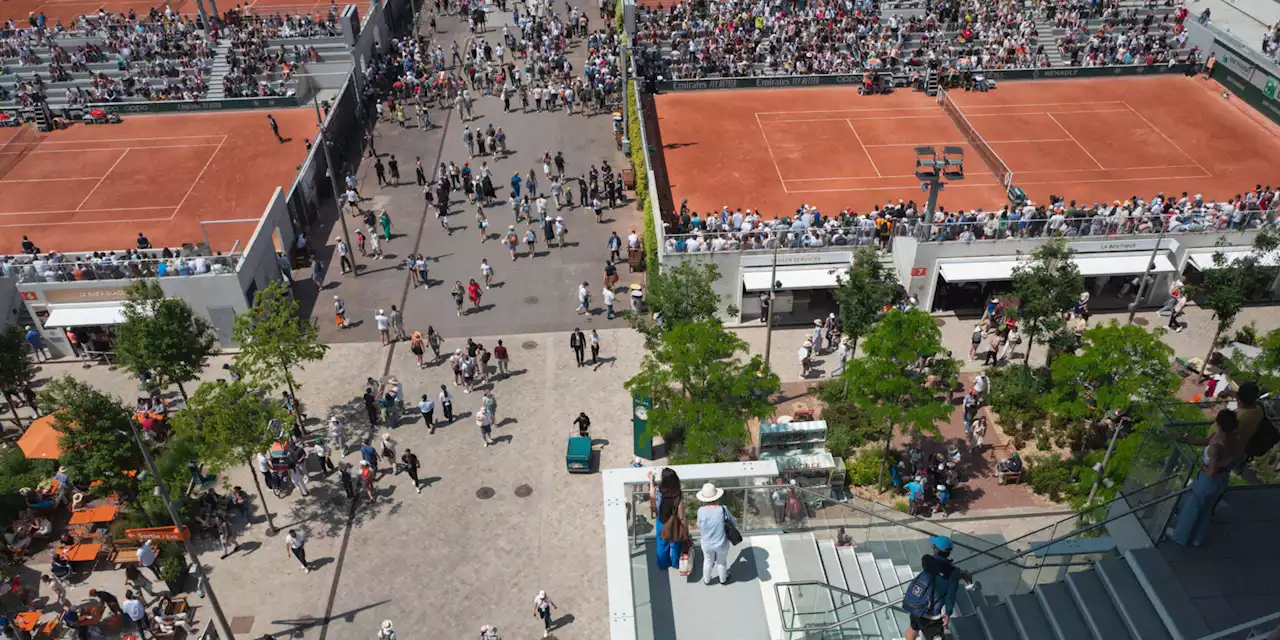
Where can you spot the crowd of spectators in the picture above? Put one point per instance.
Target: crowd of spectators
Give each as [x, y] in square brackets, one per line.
[123, 265]
[731, 230]
[258, 69]
[724, 39]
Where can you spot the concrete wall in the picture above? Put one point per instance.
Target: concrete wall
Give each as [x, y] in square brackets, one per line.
[261, 263]
[10, 302]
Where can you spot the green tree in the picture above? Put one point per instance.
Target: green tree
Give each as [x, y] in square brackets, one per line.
[1231, 284]
[16, 369]
[95, 435]
[163, 337]
[890, 382]
[681, 294]
[1118, 366]
[1264, 367]
[1047, 286]
[1015, 395]
[703, 392]
[863, 293]
[275, 340]
[229, 423]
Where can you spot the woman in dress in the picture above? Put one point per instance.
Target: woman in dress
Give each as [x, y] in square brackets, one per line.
[417, 347]
[473, 292]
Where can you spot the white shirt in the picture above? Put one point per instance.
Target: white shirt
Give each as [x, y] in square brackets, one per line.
[608, 296]
[633, 241]
[146, 554]
[384, 322]
[295, 541]
[582, 293]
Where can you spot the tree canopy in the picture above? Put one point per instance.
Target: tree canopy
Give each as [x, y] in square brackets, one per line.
[1231, 284]
[863, 293]
[680, 294]
[1047, 285]
[1118, 366]
[703, 392]
[229, 422]
[16, 369]
[95, 435]
[163, 337]
[275, 340]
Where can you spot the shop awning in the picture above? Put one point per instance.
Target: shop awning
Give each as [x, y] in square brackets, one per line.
[1202, 259]
[66, 316]
[1090, 266]
[823, 277]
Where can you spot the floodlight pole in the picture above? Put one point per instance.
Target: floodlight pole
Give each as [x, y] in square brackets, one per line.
[773, 286]
[1142, 284]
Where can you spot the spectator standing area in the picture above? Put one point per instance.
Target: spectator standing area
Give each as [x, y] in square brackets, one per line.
[1094, 140]
[90, 188]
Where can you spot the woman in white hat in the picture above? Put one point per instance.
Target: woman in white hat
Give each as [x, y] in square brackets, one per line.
[711, 524]
[542, 606]
[387, 631]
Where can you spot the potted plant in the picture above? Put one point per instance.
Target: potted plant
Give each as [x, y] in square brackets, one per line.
[174, 573]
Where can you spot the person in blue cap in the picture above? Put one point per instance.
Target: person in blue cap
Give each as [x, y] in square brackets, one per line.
[931, 597]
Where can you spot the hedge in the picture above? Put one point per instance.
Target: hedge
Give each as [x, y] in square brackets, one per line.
[642, 178]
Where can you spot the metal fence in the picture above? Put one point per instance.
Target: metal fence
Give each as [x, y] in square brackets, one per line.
[29, 271]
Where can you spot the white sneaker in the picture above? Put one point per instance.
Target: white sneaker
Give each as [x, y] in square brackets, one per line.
[419, 489]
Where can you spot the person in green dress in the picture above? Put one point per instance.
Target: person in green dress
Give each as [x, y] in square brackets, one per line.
[385, 220]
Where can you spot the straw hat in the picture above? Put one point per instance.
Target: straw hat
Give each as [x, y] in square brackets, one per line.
[387, 625]
[710, 493]
[818, 322]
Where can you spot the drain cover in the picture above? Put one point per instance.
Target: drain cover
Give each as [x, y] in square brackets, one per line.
[484, 493]
[531, 300]
[939, 321]
[524, 491]
[528, 345]
[1141, 322]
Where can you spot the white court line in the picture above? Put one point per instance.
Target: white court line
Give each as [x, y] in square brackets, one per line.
[761, 113]
[1039, 113]
[1163, 166]
[35, 213]
[212, 135]
[769, 147]
[167, 146]
[1041, 104]
[950, 185]
[1166, 138]
[1207, 175]
[964, 142]
[876, 118]
[103, 178]
[1073, 139]
[864, 149]
[198, 176]
[50, 179]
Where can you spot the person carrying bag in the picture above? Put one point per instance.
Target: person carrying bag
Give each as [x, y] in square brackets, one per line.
[930, 598]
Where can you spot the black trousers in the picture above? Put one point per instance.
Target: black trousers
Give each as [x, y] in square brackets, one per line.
[346, 264]
[595, 353]
[578, 354]
[413, 475]
[301, 554]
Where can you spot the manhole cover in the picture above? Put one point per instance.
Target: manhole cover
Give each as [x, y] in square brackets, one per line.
[529, 345]
[531, 300]
[1141, 322]
[484, 493]
[939, 321]
[524, 491]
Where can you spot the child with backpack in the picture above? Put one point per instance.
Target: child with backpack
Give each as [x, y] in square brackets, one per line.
[931, 597]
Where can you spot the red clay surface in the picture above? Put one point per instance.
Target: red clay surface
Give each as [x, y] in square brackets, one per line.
[1088, 140]
[67, 11]
[90, 188]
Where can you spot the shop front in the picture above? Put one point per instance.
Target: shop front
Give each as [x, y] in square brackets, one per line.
[88, 313]
[803, 285]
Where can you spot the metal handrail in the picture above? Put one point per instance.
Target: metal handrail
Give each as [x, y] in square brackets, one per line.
[993, 565]
[985, 552]
[1244, 626]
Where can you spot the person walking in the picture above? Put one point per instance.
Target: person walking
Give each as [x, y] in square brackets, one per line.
[713, 523]
[608, 296]
[434, 341]
[226, 537]
[411, 465]
[931, 596]
[1179, 307]
[578, 342]
[384, 327]
[367, 477]
[384, 219]
[459, 293]
[417, 347]
[542, 606]
[615, 248]
[275, 128]
[340, 312]
[147, 558]
[380, 170]
[486, 427]
[348, 483]
[594, 341]
[584, 299]
[489, 405]
[397, 323]
[297, 547]
[473, 292]
[504, 364]
[371, 405]
[136, 612]
[446, 404]
[344, 260]
[389, 452]
[486, 271]
[388, 630]
[419, 172]
[428, 410]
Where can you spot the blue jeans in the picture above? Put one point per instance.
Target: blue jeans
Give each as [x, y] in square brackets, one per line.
[1195, 507]
[668, 552]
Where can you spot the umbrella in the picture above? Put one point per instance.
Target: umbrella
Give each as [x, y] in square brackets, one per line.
[41, 439]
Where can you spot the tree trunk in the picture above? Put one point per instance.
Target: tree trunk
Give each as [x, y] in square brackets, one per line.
[271, 525]
[182, 391]
[1027, 361]
[1213, 344]
[884, 461]
[9, 399]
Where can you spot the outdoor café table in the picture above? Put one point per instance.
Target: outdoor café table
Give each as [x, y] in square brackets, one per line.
[91, 614]
[82, 552]
[96, 514]
[27, 620]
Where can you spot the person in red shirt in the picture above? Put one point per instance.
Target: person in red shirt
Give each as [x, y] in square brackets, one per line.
[500, 354]
[71, 335]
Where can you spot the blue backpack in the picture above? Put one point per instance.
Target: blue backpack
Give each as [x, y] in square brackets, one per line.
[919, 597]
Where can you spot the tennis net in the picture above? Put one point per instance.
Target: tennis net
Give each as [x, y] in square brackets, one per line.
[989, 156]
[23, 141]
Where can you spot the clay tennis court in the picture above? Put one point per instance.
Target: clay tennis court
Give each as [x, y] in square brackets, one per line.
[91, 188]
[1088, 140]
[67, 11]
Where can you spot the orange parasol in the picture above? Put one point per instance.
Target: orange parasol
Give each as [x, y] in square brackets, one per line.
[41, 439]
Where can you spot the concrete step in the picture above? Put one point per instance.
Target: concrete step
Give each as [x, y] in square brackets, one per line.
[998, 623]
[1181, 617]
[1062, 612]
[1095, 604]
[1131, 601]
[867, 625]
[967, 628]
[1029, 617]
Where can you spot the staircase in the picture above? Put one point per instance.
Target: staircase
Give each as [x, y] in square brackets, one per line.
[1048, 36]
[219, 71]
[1129, 597]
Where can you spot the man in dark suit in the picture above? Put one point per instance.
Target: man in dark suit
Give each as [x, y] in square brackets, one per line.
[578, 343]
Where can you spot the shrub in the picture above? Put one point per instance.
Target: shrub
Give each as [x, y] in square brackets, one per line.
[900, 505]
[16, 472]
[848, 428]
[865, 468]
[640, 168]
[1247, 334]
[1051, 476]
[174, 569]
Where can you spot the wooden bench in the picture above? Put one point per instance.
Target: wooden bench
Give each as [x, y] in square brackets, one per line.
[123, 552]
[1008, 477]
